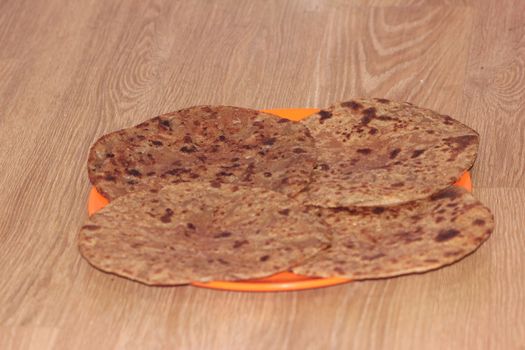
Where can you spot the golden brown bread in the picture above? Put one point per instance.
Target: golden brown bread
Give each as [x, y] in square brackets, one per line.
[381, 152]
[204, 143]
[196, 232]
[374, 242]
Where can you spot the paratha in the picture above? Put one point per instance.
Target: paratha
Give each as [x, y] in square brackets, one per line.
[380, 152]
[201, 232]
[205, 143]
[376, 242]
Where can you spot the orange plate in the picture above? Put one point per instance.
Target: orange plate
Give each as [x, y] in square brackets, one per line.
[284, 281]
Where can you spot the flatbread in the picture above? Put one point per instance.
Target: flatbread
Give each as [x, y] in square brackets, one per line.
[205, 143]
[381, 152]
[196, 232]
[376, 242]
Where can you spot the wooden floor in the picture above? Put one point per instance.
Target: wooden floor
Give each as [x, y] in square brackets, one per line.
[71, 71]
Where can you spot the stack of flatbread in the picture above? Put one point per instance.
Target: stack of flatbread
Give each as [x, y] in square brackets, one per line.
[362, 189]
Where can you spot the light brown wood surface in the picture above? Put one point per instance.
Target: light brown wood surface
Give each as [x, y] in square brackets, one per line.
[71, 71]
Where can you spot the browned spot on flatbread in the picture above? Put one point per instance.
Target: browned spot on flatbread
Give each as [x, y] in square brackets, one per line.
[339, 270]
[188, 149]
[453, 253]
[364, 151]
[478, 222]
[394, 153]
[417, 153]
[373, 257]
[368, 115]
[222, 261]
[284, 211]
[450, 192]
[269, 141]
[164, 124]
[352, 104]
[240, 243]
[168, 213]
[223, 234]
[378, 210]
[385, 118]
[445, 235]
[91, 227]
[461, 142]
[448, 120]
[323, 115]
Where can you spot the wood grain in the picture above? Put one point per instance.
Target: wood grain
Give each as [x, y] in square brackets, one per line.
[72, 71]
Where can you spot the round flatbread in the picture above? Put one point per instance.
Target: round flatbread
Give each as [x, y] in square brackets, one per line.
[381, 152]
[378, 242]
[205, 143]
[196, 232]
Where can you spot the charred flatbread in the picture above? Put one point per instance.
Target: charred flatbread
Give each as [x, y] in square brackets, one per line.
[197, 232]
[380, 152]
[221, 144]
[377, 242]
